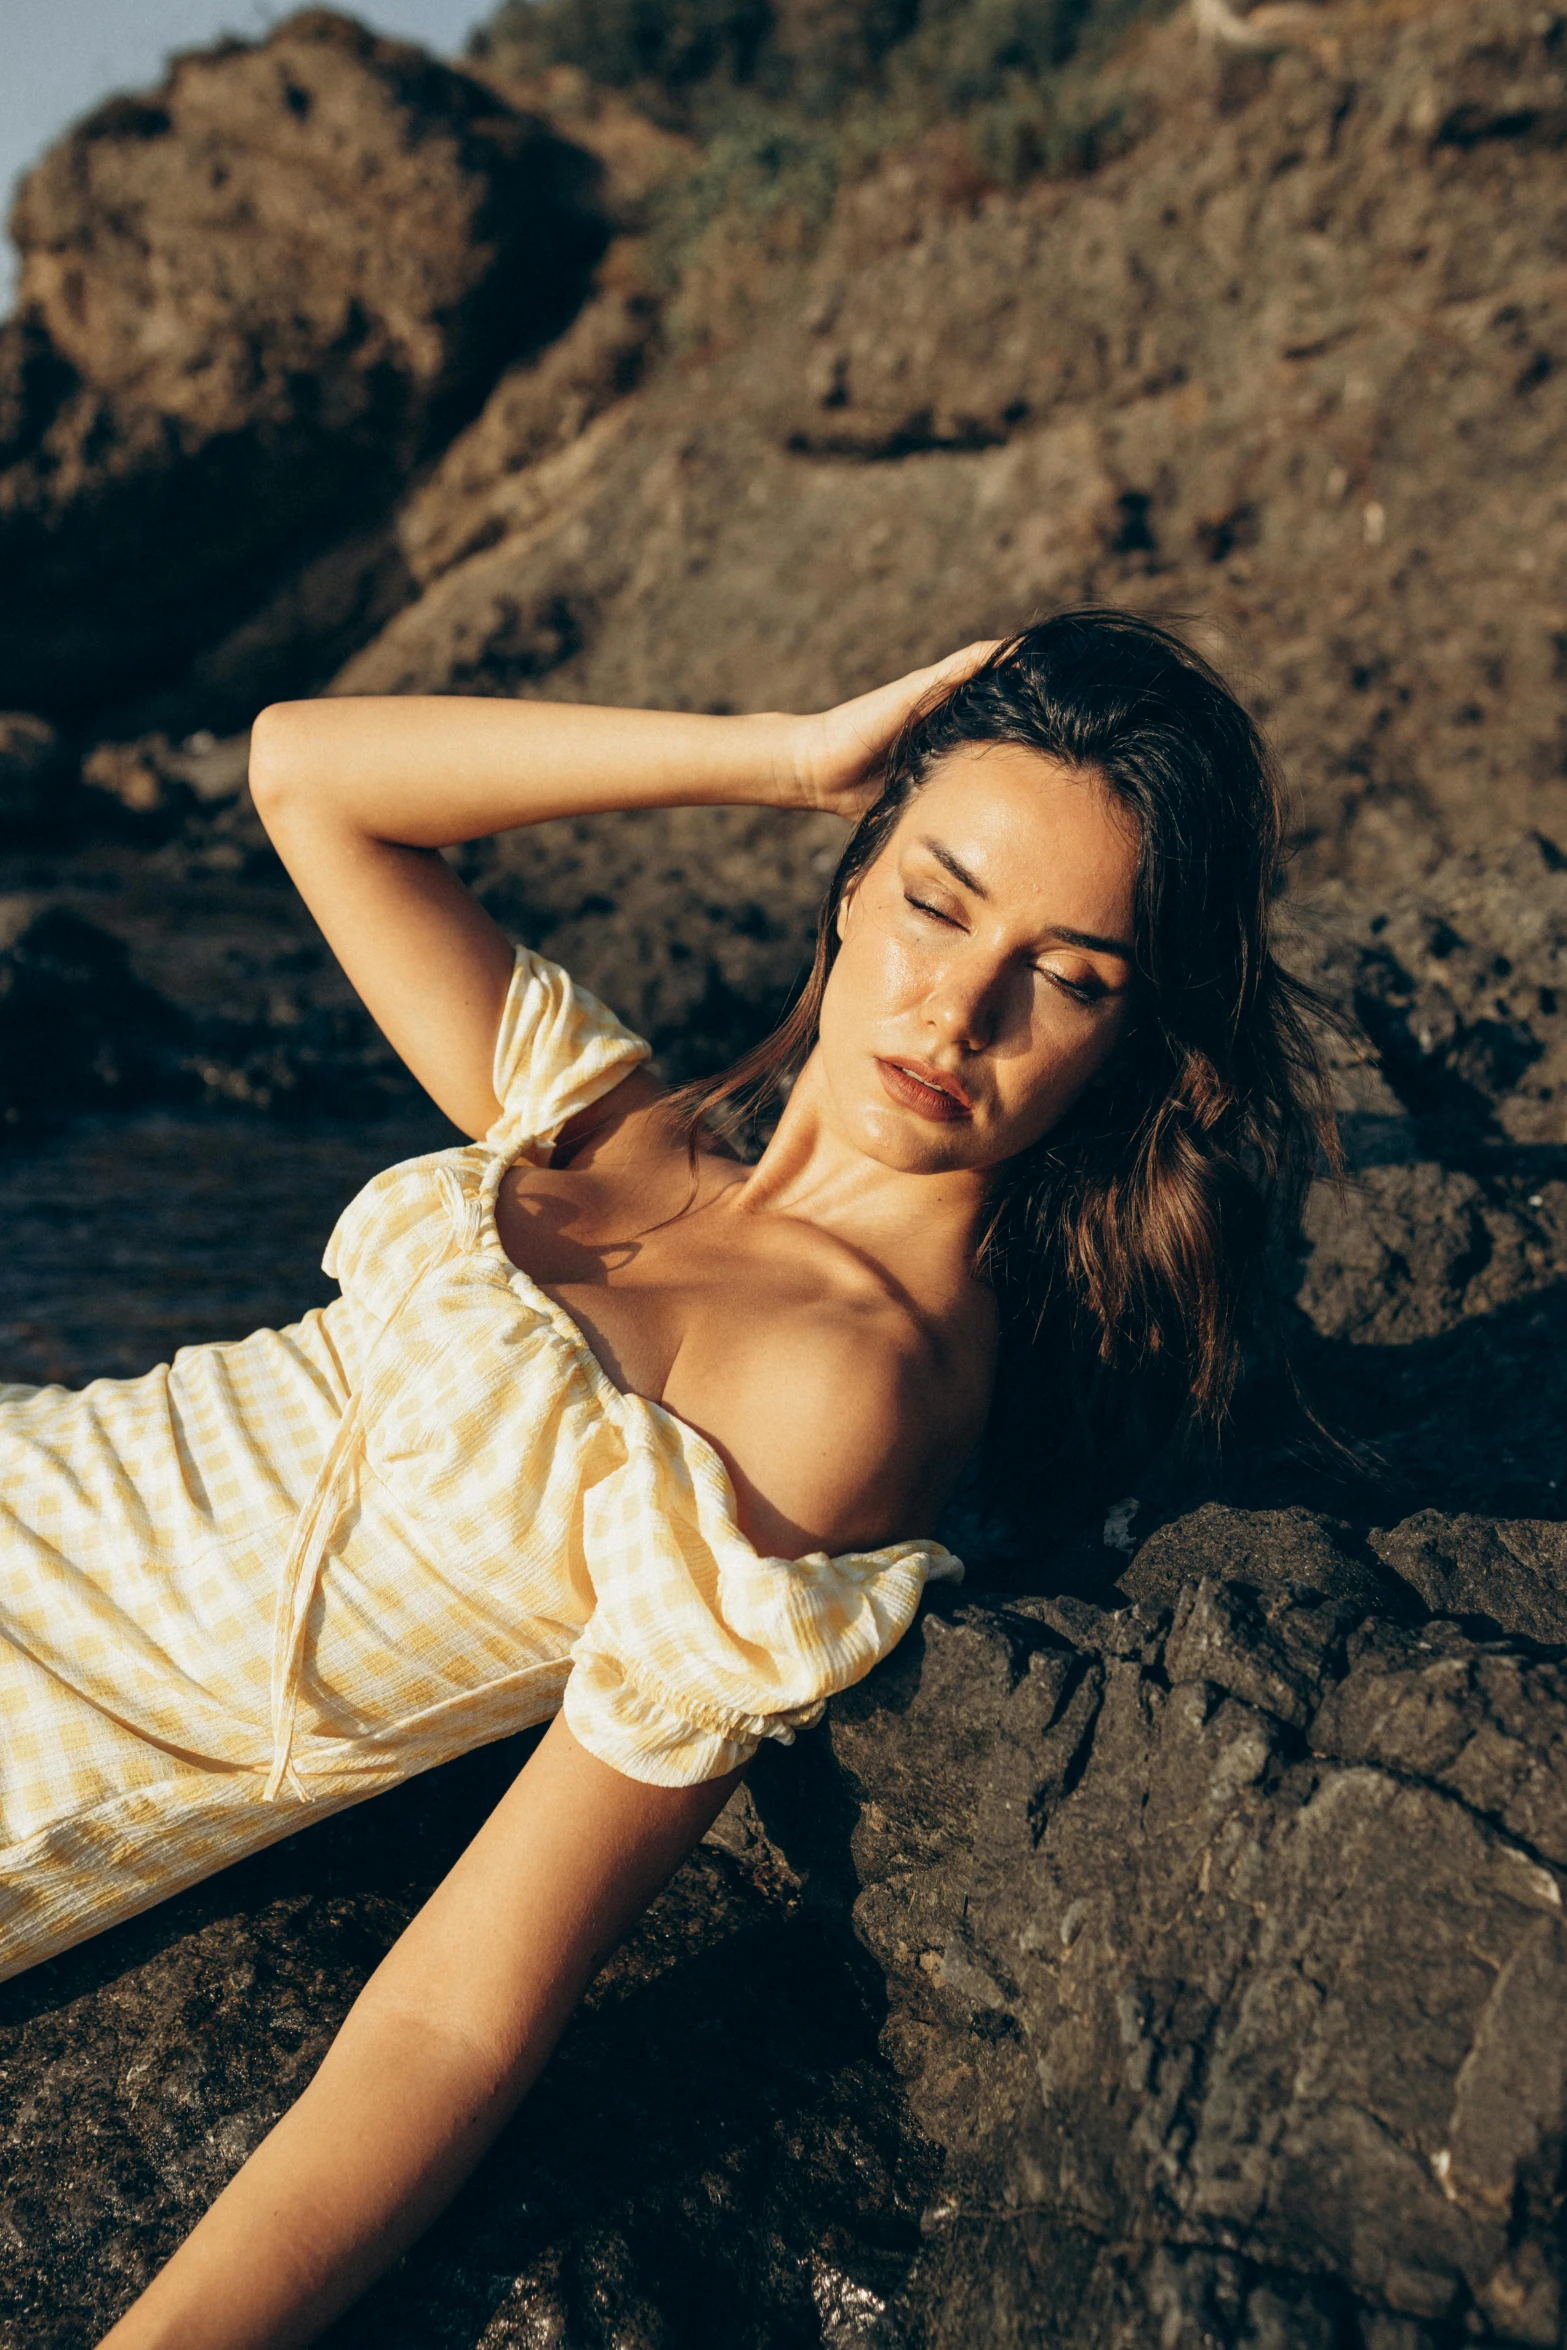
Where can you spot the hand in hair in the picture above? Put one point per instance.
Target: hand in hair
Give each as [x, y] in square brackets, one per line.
[840, 754]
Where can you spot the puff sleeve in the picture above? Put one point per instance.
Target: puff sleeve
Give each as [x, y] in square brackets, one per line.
[698, 1647]
[557, 1050]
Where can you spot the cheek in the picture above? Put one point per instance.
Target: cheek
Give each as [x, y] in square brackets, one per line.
[1064, 1066]
[878, 963]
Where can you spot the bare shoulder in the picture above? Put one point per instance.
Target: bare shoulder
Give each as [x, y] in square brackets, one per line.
[844, 1417]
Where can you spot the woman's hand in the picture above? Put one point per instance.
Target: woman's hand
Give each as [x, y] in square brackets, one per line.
[360, 795]
[840, 754]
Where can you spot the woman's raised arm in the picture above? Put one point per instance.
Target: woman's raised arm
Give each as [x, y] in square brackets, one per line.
[436, 2052]
[360, 795]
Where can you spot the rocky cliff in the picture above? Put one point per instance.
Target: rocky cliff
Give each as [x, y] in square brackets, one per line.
[1166, 1947]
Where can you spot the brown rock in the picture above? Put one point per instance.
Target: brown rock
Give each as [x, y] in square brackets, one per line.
[249, 302]
[1291, 366]
[155, 777]
[131, 774]
[1512, 1573]
[487, 486]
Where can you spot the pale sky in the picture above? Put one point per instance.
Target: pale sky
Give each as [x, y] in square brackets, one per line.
[58, 58]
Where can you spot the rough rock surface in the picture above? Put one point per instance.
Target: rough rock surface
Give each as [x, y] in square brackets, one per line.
[213, 319]
[1293, 365]
[1224, 1953]
[1165, 1949]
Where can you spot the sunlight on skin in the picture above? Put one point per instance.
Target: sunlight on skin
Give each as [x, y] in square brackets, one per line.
[965, 965]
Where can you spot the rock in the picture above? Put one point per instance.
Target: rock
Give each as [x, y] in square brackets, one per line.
[1215, 1959]
[1287, 1550]
[85, 1023]
[486, 486]
[1177, 380]
[658, 2188]
[153, 777]
[1406, 1252]
[76, 1025]
[642, 160]
[694, 922]
[1460, 982]
[1514, 1575]
[32, 768]
[1109, 1977]
[172, 443]
[133, 775]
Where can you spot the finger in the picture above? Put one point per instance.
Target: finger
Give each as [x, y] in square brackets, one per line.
[907, 692]
[963, 663]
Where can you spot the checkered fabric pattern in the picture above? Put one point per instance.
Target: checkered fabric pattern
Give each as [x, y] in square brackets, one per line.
[270, 1579]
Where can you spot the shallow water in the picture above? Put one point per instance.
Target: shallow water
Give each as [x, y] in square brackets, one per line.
[128, 1236]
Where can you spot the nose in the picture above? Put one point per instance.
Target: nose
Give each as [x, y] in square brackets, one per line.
[964, 1008]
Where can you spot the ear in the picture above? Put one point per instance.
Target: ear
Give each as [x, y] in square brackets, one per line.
[841, 918]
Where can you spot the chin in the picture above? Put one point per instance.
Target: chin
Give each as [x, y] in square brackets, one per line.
[906, 1144]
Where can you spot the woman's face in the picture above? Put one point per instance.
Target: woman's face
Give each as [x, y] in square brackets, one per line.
[985, 971]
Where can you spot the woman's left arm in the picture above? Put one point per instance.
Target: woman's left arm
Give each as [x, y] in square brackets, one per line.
[435, 2054]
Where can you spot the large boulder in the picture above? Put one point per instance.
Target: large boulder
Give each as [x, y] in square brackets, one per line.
[250, 301]
[1224, 1955]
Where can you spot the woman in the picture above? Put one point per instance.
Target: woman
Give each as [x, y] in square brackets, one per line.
[609, 1425]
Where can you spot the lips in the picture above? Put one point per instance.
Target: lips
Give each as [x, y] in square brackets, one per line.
[928, 1092]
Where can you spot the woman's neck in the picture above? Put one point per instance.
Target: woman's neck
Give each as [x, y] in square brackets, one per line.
[922, 1225]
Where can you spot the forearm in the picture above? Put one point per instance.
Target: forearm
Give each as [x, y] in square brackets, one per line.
[390, 2127]
[449, 2033]
[430, 770]
[359, 795]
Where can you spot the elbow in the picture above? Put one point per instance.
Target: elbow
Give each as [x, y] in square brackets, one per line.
[276, 758]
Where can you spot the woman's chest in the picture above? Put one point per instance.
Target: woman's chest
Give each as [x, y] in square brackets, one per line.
[634, 1273]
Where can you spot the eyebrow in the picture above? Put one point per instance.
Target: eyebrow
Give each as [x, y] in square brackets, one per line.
[1069, 938]
[957, 871]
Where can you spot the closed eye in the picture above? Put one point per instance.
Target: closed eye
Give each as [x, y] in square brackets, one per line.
[1082, 991]
[934, 912]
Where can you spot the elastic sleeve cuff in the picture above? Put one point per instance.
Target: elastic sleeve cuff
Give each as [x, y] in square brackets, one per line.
[639, 1733]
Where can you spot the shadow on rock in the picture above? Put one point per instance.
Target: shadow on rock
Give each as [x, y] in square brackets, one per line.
[716, 2156]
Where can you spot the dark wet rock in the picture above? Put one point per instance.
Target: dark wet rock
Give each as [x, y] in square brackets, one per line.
[85, 1024]
[76, 1025]
[173, 443]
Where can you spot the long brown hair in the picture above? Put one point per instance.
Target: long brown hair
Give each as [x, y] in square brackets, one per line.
[1126, 1248]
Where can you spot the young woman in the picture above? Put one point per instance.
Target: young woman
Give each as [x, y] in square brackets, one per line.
[609, 1425]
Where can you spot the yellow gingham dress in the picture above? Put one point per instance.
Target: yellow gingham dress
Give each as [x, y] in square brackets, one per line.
[270, 1579]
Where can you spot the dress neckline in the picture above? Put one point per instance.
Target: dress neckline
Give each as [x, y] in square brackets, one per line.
[619, 1401]
[622, 1402]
